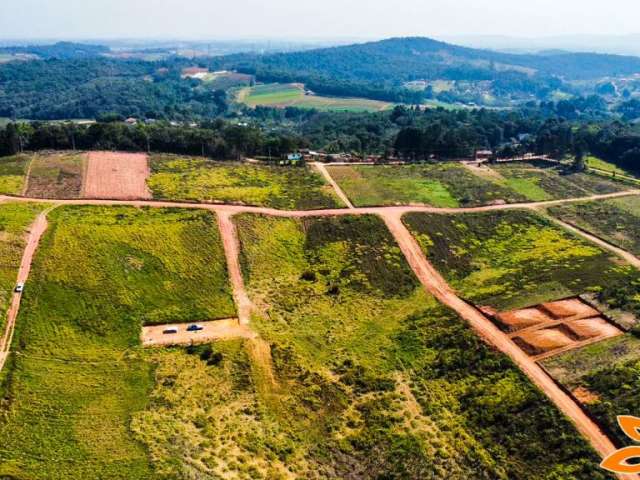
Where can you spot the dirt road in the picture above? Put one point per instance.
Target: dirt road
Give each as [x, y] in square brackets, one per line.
[116, 175]
[211, 330]
[36, 231]
[322, 168]
[437, 286]
[231, 244]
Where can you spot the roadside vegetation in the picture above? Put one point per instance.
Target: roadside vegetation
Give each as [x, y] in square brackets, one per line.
[512, 259]
[438, 185]
[15, 219]
[55, 175]
[202, 180]
[78, 375]
[542, 181]
[294, 95]
[371, 377]
[13, 171]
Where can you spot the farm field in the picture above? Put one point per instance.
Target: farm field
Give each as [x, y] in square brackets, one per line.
[116, 175]
[201, 180]
[616, 220]
[79, 377]
[542, 181]
[55, 175]
[513, 259]
[293, 95]
[13, 173]
[439, 185]
[15, 219]
[370, 377]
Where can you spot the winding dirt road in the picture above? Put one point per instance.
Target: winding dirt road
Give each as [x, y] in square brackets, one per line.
[36, 231]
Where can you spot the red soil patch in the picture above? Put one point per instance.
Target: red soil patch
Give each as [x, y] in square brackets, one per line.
[585, 396]
[518, 319]
[116, 176]
[573, 307]
[545, 340]
[593, 327]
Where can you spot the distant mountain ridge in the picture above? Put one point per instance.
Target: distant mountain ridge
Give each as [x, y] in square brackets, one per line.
[60, 50]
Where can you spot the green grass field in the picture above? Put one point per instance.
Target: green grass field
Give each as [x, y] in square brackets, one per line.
[13, 171]
[439, 185]
[512, 259]
[293, 95]
[373, 378]
[595, 162]
[78, 375]
[544, 181]
[201, 180]
[15, 219]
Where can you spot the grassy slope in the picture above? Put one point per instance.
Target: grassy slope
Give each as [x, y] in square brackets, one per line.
[196, 179]
[15, 219]
[13, 172]
[374, 378]
[440, 185]
[511, 259]
[543, 181]
[292, 95]
[78, 374]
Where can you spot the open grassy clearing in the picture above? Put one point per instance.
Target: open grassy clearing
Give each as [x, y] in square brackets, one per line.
[439, 185]
[372, 377]
[293, 95]
[615, 220]
[55, 175]
[598, 163]
[79, 374]
[15, 219]
[540, 181]
[512, 259]
[13, 172]
[202, 180]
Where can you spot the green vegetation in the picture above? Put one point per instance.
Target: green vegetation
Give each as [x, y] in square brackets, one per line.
[78, 374]
[610, 372]
[294, 95]
[439, 185]
[15, 219]
[372, 378]
[595, 162]
[13, 171]
[544, 181]
[57, 175]
[617, 220]
[511, 259]
[201, 180]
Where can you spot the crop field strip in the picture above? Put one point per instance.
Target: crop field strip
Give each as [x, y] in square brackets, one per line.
[234, 210]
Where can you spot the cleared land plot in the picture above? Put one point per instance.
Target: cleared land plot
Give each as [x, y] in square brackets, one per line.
[366, 363]
[617, 221]
[201, 180]
[15, 219]
[605, 376]
[55, 175]
[542, 181]
[79, 374]
[224, 329]
[294, 95]
[13, 172]
[512, 259]
[119, 176]
[439, 185]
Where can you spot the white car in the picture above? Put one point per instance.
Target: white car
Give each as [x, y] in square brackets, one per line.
[19, 287]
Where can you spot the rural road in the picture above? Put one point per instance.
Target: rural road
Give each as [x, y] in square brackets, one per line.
[322, 168]
[425, 272]
[438, 287]
[36, 231]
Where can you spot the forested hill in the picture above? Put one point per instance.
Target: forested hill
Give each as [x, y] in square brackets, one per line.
[399, 60]
[60, 50]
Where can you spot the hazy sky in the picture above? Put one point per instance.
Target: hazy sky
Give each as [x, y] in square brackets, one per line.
[312, 19]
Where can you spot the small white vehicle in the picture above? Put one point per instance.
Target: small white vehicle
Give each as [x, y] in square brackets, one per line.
[19, 287]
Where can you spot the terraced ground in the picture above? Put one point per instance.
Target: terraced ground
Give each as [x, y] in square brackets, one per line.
[13, 173]
[372, 377]
[78, 376]
[201, 180]
[540, 181]
[438, 185]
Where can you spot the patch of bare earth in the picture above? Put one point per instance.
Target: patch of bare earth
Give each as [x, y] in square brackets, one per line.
[57, 175]
[227, 329]
[585, 396]
[117, 176]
